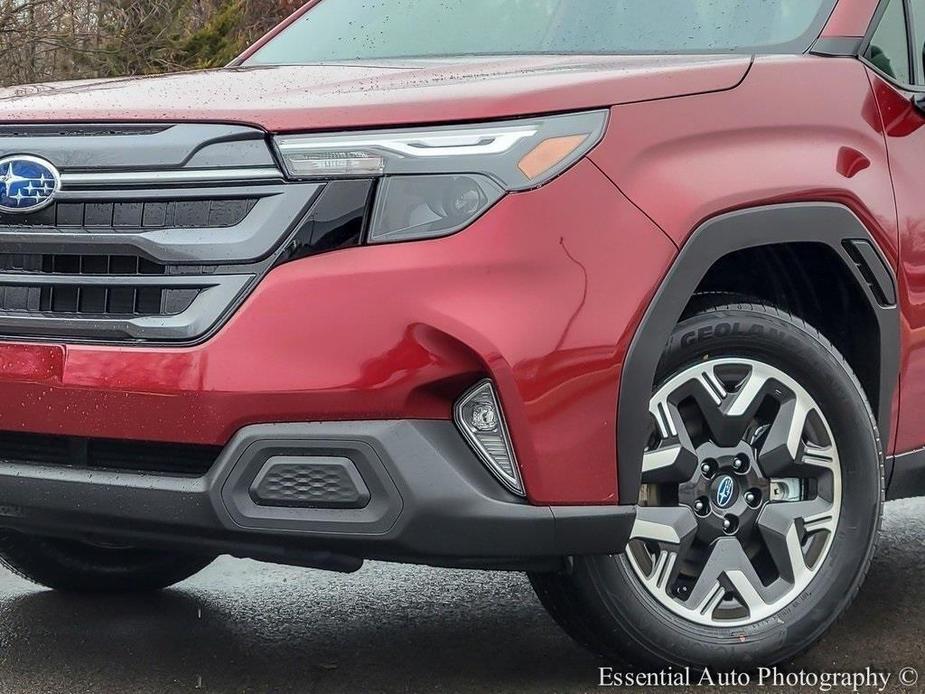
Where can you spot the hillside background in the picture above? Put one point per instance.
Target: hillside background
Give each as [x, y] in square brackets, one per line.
[42, 40]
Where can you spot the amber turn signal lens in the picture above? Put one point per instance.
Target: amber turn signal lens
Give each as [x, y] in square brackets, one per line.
[548, 154]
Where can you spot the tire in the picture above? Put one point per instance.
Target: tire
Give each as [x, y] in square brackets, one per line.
[77, 567]
[614, 607]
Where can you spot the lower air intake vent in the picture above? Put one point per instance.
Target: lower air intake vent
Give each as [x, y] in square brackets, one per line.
[105, 454]
[311, 482]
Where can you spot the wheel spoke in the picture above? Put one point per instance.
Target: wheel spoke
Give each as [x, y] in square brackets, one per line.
[821, 457]
[672, 531]
[783, 444]
[747, 398]
[674, 460]
[712, 385]
[672, 527]
[730, 417]
[728, 570]
[749, 592]
[778, 525]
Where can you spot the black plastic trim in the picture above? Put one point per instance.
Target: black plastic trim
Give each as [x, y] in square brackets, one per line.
[874, 269]
[837, 46]
[907, 480]
[314, 481]
[827, 223]
[338, 220]
[432, 502]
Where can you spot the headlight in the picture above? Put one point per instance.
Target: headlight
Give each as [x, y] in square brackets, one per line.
[437, 181]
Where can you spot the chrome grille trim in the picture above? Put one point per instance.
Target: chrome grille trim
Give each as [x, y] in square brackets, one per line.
[161, 178]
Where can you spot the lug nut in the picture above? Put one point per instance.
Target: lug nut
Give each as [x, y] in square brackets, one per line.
[708, 468]
[750, 498]
[701, 506]
[730, 525]
[740, 464]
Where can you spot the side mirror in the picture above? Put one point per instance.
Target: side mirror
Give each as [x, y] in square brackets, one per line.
[919, 100]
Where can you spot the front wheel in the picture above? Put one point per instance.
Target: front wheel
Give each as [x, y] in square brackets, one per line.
[760, 504]
[79, 567]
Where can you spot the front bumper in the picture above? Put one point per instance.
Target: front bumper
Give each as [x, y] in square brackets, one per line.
[542, 295]
[427, 499]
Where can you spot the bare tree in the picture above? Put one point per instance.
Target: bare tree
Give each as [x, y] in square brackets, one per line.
[43, 40]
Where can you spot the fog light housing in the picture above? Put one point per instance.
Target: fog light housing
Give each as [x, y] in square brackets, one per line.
[480, 419]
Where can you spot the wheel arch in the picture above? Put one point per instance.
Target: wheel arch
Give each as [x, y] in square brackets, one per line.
[830, 225]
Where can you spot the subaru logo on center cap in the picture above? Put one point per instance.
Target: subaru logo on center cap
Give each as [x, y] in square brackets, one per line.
[723, 492]
[27, 184]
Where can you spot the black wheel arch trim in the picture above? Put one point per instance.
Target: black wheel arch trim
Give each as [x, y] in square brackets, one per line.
[827, 223]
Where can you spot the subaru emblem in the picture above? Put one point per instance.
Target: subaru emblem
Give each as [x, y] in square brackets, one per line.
[723, 492]
[27, 184]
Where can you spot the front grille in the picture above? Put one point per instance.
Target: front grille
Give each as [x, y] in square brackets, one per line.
[157, 233]
[170, 459]
[136, 214]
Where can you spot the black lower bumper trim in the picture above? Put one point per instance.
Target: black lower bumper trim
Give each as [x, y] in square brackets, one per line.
[429, 501]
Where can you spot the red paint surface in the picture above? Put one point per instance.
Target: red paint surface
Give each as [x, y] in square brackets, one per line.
[684, 162]
[904, 127]
[850, 18]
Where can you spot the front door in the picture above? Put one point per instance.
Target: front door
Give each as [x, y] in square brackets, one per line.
[895, 55]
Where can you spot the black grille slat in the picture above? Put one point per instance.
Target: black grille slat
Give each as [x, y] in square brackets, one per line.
[96, 301]
[128, 214]
[92, 300]
[154, 215]
[64, 299]
[67, 215]
[61, 264]
[121, 301]
[103, 300]
[98, 214]
[150, 214]
[107, 454]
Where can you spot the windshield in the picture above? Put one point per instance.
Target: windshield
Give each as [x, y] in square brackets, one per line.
[346, 30]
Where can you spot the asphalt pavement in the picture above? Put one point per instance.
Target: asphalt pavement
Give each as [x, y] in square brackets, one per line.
[247, 627]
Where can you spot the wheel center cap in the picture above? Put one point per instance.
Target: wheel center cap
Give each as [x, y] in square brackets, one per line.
[724, 492]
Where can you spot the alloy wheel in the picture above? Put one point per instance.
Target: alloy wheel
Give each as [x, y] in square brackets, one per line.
[741, 493]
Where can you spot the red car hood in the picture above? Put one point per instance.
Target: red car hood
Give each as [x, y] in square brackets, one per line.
[334, 96]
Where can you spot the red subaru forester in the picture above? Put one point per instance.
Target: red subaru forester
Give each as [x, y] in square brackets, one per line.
[627, 294]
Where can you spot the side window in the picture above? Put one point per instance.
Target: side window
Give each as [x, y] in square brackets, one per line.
[889, 47]
[918, 34]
